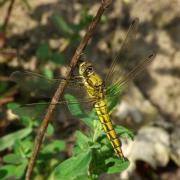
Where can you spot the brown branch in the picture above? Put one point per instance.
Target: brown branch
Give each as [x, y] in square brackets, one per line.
[6, 100]
[59, 91]
[6, 20]
[8, 53]
[4, 78]
[8, 96]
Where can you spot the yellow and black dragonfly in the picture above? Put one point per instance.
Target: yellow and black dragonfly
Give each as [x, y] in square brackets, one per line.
[98, 91]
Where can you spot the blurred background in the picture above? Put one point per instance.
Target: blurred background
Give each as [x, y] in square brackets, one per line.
[41, 36]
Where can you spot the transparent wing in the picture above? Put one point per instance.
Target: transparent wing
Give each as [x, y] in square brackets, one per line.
[37, 91]
[116, 88]
[63, 108]
[36, 85]
[122, 56]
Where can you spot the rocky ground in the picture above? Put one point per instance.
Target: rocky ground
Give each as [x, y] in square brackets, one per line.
[151, 106]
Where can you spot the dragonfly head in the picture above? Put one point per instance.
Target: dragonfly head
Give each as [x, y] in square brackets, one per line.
[85, 69]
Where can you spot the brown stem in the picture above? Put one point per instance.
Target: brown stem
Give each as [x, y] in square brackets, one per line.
[6, 100]
[8, 53]
[60, 89]
[4, 78]
[6, 20]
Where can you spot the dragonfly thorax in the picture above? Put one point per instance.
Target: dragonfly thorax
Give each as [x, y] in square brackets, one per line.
[92, 81]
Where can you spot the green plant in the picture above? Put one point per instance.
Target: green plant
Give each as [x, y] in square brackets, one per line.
[20, 144]
[71, 32]
[71, 37]
[92, 152]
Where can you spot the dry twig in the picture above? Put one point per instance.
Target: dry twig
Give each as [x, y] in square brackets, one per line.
[9, 11]
[59, 91]
[6, 100]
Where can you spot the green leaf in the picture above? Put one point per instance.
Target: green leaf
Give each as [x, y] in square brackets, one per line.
[82, 177]
[57, 58]
[21, 112]
[3, 87]
[12, 159]
[43, 53]
[74, 107]
[13, 105]
[117, 166]
[89, 119]
[124, 132]
[73, 167]
[20, 170]
[25, 120]
[9, 140]
[76, 150]
[62, 25]
[95, 145]
[55, 145]
[7, 171]
[23, 147]
[86, 18]
[104, 19]
[48, 73]
[13, 171]
[75, 110]
[82, 140]
[50, 129]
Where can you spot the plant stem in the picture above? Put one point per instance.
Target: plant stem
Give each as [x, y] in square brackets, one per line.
[60, 89]
[7, 18]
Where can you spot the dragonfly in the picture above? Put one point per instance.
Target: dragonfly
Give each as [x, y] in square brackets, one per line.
[98, 90]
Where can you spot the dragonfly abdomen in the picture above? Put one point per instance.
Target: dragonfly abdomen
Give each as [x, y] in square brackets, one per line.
[102, 113]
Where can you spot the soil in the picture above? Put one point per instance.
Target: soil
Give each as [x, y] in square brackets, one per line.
[158, 31]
